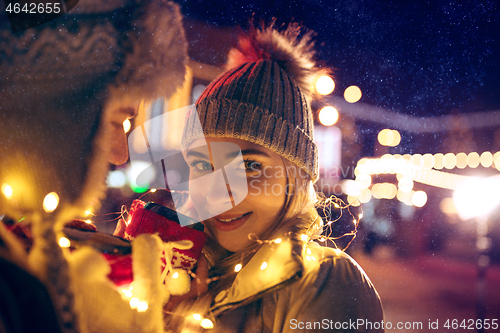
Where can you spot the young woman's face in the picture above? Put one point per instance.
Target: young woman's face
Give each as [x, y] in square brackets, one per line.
[245, 198]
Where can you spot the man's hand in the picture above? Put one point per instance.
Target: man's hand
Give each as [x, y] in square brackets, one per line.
[198, 284]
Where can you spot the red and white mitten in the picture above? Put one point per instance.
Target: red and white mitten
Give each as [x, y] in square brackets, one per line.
[156, 219]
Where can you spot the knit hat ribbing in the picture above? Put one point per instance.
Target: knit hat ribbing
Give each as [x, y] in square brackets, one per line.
[263, 101]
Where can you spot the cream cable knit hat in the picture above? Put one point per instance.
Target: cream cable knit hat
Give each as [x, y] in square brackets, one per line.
[58, 82]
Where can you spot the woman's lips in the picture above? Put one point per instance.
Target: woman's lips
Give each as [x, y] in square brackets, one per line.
[232, 225]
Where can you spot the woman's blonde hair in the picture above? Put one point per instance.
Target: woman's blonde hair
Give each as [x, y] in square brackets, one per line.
[300, 200]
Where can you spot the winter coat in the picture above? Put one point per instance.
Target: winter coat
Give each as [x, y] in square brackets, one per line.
[305, 287]
[25, 304]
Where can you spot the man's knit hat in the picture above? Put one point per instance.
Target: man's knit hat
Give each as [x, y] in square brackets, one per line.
[264, 97]
[61, 80]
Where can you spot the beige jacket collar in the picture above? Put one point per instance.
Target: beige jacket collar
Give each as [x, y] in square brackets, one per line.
[273, 266]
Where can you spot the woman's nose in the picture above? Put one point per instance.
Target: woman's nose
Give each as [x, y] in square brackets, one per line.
[219, 197]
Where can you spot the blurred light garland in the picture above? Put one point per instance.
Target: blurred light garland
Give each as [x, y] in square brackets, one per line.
[328, 206]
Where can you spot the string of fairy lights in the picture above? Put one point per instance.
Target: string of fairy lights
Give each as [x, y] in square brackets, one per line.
[327, 206]
[426, 169]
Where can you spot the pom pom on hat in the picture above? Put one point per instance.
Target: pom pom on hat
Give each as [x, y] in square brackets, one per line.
[294, 53]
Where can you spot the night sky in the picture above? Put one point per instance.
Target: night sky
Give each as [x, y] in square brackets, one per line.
[421, 58]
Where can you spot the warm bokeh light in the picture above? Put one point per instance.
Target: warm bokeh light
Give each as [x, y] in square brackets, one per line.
[386, 163]
[364, 180]
[438, 161]
[486, 159]
[7, 190]
[473, 160]
[419, 198]
[64, 242]
[428, 161]
[476, 197]
[328, 116]
[134, 302]
[352, 94]
[405, 197]
[396, 138]
[384, 191]
[365, 196]
[405, 184]
[50, 202]
[447, 206]
[126, 125]
[263, 266]
[496, 160]
[351, 187]
[402, 166]
[417, 160]
[325, 85]
[387, 137]
[207, 324]
[383, 136]
[142, 307]
[237, 268]
[128, 292]
[450, 161]
[461, 160]
[353, 201]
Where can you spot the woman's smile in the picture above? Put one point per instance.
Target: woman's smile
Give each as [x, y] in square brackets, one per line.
[243, 204]
[225, 222]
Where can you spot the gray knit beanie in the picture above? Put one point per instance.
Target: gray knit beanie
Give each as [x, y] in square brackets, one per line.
[264, 98]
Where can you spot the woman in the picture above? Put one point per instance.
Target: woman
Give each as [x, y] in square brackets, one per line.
[267, 274]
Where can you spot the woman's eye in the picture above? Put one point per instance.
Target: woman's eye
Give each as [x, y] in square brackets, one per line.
[251, 166]
[201, 166]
